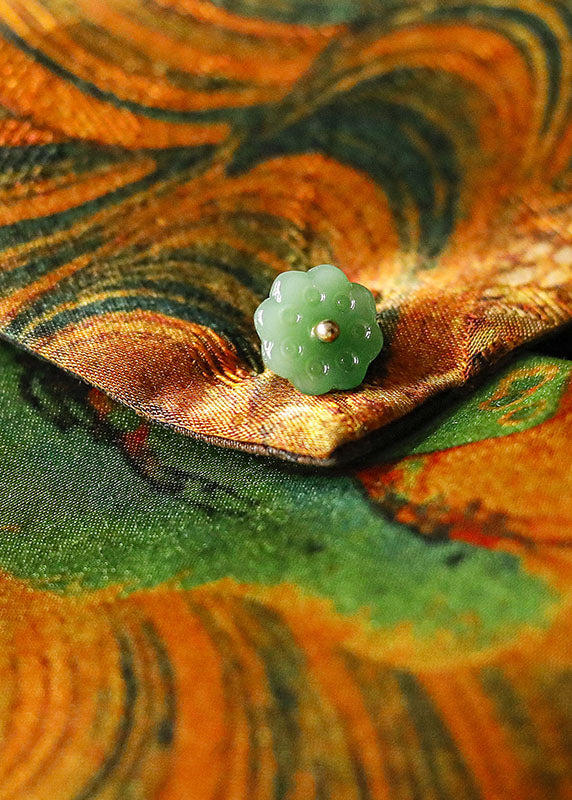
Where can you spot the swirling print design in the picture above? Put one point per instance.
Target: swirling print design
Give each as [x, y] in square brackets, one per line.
[347, 657]
[163, 161]
[275, 697]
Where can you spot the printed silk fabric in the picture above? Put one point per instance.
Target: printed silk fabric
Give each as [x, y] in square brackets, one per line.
[164, 160]
[181, 621]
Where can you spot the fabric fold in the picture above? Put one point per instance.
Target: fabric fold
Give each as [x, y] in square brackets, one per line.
[150, 191]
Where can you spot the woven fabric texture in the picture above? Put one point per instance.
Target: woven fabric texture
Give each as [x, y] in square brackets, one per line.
[365, 595]
[183, 622]
[162, 161]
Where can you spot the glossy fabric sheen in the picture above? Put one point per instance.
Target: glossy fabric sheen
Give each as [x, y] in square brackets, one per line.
[184, 622]
[163, 161]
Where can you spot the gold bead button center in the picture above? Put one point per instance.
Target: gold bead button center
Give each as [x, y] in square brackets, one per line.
[326, 331]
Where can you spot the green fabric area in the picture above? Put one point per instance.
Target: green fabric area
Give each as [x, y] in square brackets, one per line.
[525, 394]
[215, 521]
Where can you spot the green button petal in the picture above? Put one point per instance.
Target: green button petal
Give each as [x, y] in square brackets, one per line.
[318, 359]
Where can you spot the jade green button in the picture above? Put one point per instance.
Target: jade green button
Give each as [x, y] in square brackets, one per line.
[318, 330]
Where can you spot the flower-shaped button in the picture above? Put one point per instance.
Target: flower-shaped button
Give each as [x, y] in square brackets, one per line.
[318, 330]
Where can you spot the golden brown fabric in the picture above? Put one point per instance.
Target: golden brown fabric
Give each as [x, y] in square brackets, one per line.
[164, 161]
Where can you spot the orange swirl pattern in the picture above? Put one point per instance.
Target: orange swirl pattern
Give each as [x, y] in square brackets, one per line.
[528, 509]
[276, 697]
[239, 643]
[126, 73]
[162, 161]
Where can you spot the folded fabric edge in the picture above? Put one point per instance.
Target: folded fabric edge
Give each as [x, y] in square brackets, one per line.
[387, 437]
